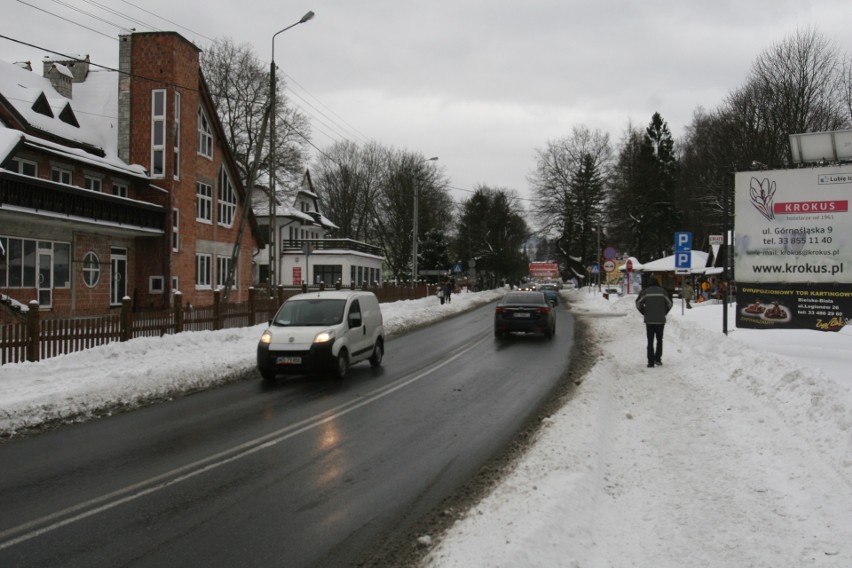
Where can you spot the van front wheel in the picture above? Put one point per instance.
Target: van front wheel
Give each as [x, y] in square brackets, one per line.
[341, 365]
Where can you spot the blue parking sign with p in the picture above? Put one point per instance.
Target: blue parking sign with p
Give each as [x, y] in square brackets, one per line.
[683, 250]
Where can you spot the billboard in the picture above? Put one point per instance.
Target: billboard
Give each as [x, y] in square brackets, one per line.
[544, 270]
[792, 254]
[794, 226]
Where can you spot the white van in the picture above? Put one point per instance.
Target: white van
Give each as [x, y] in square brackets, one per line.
[322, 332]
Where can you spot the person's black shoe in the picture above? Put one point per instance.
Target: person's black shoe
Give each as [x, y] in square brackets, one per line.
[650, 364]
[658, 362]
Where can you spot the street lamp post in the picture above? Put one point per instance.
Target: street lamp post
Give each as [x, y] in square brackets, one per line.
[414, 239]
[273, 230]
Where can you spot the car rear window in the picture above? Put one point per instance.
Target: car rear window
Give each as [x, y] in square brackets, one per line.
[523, 298]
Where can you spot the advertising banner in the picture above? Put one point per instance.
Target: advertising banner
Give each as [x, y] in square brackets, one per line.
[544, 270]
[821, 307]
[792, 256]
[794, 226]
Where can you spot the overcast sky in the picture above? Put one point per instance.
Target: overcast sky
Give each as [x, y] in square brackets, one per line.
[479, 83]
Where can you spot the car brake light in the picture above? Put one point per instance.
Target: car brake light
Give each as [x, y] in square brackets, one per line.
[544, 310]
[501, 310]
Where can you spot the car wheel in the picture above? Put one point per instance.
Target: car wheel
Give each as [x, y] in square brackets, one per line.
[378, 353]
[341, 365]
[268, 375]
[498, 334]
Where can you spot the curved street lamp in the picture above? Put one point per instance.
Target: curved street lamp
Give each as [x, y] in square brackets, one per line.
[273, 257]
[414, 234]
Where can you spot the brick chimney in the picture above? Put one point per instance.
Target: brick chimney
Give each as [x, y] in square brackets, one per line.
[62, 73]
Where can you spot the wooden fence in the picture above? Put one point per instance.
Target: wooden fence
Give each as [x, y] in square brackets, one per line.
[40, 337]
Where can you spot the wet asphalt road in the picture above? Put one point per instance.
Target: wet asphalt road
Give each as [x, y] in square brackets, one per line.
[303, 472]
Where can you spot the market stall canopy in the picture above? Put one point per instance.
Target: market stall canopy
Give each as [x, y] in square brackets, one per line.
[698, 264]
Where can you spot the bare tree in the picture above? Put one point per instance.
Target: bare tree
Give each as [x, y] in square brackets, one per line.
[794, 86]
[348, 178]
[239, 84]
[570, 188]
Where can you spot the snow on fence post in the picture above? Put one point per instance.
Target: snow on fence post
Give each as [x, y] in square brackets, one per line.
[33, 341]
[178, 311]
[126, 320]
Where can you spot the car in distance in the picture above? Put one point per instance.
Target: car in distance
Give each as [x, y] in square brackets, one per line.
[524, 311]
[551, 292]
[322, 332]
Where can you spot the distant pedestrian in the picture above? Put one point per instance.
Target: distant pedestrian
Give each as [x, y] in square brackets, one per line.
[688, 292]
[448, 291]
[654, 303]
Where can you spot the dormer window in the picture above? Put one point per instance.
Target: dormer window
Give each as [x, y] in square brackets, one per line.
[68, 117]
[41, 106]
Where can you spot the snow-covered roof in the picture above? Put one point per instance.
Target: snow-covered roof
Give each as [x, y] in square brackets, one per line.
[667, 264]
[94, 109]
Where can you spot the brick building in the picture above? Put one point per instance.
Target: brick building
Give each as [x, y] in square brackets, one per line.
[117, 184]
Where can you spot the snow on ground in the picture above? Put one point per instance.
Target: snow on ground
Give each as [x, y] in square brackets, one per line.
[737, 452]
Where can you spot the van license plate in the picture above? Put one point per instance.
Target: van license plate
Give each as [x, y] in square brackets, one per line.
[288, 361]
[522, 314]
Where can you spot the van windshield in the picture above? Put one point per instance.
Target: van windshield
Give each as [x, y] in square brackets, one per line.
[321, 311]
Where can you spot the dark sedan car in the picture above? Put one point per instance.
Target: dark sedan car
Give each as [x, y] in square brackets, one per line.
[551, 292]
[529, 312]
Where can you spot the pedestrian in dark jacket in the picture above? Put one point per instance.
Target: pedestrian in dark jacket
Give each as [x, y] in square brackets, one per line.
[654, 303]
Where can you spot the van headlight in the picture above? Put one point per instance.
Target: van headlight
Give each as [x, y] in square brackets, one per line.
[324, 337]
[266, 338]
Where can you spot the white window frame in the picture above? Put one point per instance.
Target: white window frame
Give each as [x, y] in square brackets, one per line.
[20, 166]
[203, 271]
[91, 269]
[222, 265]
[156, 284]
[93, 183]
[176, 139]
[227, 204]
[205, 135]
[119, 189]
[203, 202]
[64, 175]
[175, 229]
[158, 133]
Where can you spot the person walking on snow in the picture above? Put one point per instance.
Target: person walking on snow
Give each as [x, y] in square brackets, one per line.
[688, 293]
[654, 303]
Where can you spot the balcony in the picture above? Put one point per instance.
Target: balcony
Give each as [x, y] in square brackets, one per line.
[314, 245]
[63, 202]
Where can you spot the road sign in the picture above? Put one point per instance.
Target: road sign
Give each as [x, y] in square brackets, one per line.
[683, 262]
[610, 253]
[609, 266]
[683, 241]
[716, 239]
[595, 269]
[457, 268]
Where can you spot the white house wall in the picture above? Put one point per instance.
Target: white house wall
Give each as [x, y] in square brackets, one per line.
[345, 259]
